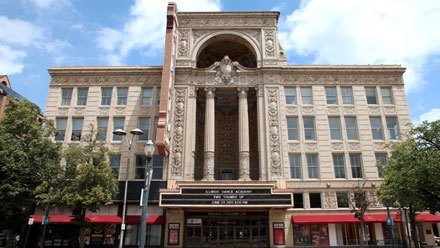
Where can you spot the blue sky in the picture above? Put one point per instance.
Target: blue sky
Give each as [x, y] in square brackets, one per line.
[40, 34]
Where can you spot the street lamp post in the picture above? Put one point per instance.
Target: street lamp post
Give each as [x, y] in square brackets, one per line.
[390, 222]
[120, 132]
[149, 152]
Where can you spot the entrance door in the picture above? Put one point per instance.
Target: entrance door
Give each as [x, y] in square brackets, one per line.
[226, 234]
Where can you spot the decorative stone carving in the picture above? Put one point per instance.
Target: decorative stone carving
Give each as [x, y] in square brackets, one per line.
[332, 110]
[103, 110]
[330, 200]
[225, 70]
[311, 147]
[151, 78]
[389, 110]
[178, 135]
[380, 146]
[354, 146]
[269, 39]
[374, 199]
[183, 44]
[274, 133]
[373, 110]
[120, 110]
[222, 21]
[63, 110]
[256, 34]
[192, 92]
[337, 146]
[291, 110]
[349, 111]
[208, 168]
[78, 110]
[308, 110]
[294, 147]
[328, 78]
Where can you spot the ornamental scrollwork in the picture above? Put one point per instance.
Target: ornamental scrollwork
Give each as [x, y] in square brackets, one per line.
[178, 134]
[274, 132]
[183, 44]
[269, 39]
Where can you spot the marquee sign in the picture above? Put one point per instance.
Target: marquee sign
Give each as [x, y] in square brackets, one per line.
[210, 197]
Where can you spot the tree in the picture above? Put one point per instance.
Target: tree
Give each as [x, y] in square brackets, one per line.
[27, 155]
[412, 173]
[359, 203]
[88, 181]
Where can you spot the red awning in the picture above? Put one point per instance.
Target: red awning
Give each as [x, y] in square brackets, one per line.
[377, 218]
[428, 218]
[322, 219]
[66, 219]
[151, 220]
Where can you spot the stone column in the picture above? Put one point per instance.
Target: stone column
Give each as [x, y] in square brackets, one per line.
[208, 168]
[243, 134]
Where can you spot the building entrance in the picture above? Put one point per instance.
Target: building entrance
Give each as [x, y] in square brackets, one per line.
[226, 230]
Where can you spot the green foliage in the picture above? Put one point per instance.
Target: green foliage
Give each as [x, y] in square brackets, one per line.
[28, 156]
[412, 174]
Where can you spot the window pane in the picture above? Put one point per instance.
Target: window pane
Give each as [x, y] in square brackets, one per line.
[306, 95]
[376, 127]
[312, 166]
[309, 128]
[382, 160]
[77, 124]
[339, 165]
[356, 166]
[157, 167]
[118, 123]
[347, 95]
[102, 128]
[158, 92]
[61, 124]
[122, 96]
[295, 166]
[370, 92]
[387, 98]
[298, 200]
[144, 125]
[335, 128]
[66, 96]
[351, 128]
[106, 96]
[290, 93]
[330, 93]
[141, 162]
[393, 128]
[342, 198]
[292, 128]
[82, 96]
[146, 97]
[315, 200]
[115, 162]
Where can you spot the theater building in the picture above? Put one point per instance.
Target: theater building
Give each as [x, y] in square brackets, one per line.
[251, 151]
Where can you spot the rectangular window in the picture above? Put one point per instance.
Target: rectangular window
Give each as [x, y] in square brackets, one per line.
[312, 166]
[146, 96]
[295, 166]
[387, 97]
[118, 123]
[347, 95]
[115, 162]
[82, 96]
[335, 128]
[393, 127]
[77, 124]
[102, 128]
[376, 128]
[309, 128]
[141, 161]
[356, 165]
[342, 199]
[122, 95]
[315, 200]
[154, 131]
[382, 160]
[144, 125]
[61, 124]
[330, 94]
[290, 94]
[351, 128]
[158, 91]
[106, 96]
[66, 96]
[157, 167]
[370, 92]
[339, 165]
[298, 200]
[306, 95]
[292, 128]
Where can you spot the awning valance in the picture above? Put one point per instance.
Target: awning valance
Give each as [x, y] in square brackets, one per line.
[323, 219]
[151, 220]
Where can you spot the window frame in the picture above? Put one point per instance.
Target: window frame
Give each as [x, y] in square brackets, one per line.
[309, 129]
[334, 129]
[122, 96]
[345, 97]
[106, 99]
[145, 128]
[295, 166]
[292, 128]
[389, 97]
[61, 133]
[339, 168]
[147, 100]
[349, 130]
[290, 99]
[314, 196]
[66, 96]
[118, 137]
[338, 200]
[312, 166]
[305, 97]
[376, 127]
[393, 132]
[81, 99]
[103, 134]
[356, 169]
[331, 95]
[382, 162]
[371, 99]
[111, 163]
[77, 128]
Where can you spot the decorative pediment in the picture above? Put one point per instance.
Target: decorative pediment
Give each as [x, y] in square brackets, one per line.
[226, 71]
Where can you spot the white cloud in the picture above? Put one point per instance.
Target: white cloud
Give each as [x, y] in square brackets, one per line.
[145, 28]
[46, 4]
[10, 60]
[366, 32]
[432, 115]
[19, 32]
